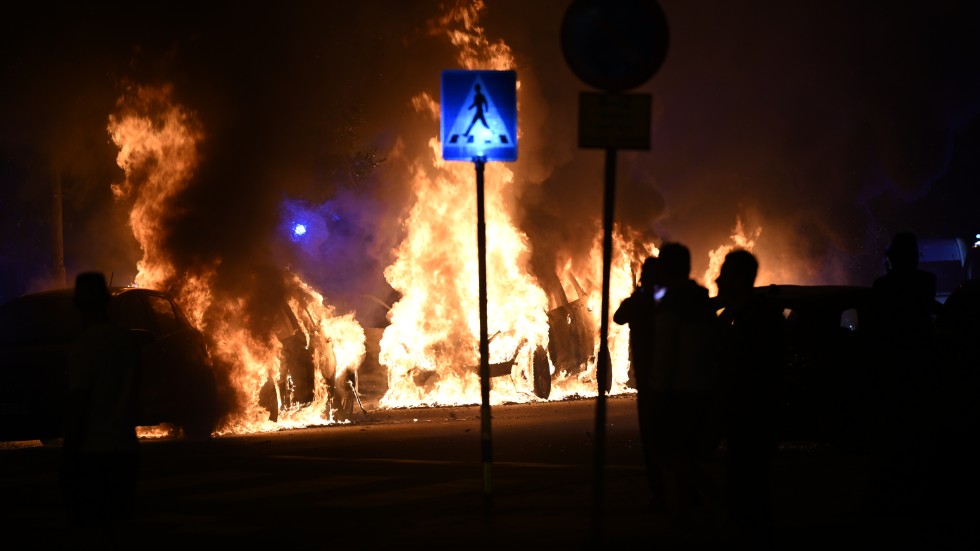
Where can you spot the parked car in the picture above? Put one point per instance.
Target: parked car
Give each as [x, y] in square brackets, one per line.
[826, 377]
[177, 381]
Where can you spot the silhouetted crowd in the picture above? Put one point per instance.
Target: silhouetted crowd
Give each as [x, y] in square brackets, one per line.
[709, 375]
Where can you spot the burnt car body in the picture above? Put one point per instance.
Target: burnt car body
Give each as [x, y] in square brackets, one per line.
[306, 351]
[177, 386]
[572, 337]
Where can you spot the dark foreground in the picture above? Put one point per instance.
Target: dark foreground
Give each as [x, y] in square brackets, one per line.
[414, 478]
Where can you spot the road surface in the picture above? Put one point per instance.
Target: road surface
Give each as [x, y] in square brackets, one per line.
[414, 477]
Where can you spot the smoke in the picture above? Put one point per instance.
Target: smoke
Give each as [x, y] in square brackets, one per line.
[830, 126]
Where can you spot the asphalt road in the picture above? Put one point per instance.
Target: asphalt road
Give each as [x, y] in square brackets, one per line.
[415, 478]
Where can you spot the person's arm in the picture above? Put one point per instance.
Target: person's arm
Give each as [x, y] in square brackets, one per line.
[624, 313]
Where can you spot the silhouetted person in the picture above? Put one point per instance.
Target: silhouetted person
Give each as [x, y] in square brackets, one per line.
[954, 479]
[904, 298]
[683, 382]
[480, 104]
[638, 311]
[900, 329]
[101, 450]
[751, 339]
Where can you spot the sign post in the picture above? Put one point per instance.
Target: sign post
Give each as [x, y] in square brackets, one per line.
[479, 124]
[613, 45]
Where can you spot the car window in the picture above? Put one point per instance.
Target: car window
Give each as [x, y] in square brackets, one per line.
[164, 315]
[285, 324]
[128, 310]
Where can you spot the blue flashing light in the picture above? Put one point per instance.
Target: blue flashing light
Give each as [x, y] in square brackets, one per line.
[299, 229]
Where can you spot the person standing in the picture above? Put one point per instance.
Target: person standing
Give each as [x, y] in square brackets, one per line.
[751, 339]
[638, 311]
[901, 338]
[101, 448]
[684, 385]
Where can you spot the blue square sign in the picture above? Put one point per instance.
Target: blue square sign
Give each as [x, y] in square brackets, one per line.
[479, 115]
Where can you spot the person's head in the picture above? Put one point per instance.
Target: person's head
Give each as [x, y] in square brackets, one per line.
[91, 295]
[675, 262]
[648, 272]
[903, 252]
[738, 273]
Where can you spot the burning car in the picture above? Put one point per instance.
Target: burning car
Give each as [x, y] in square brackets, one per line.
[177, 388]
[307, 356]
[572, 337]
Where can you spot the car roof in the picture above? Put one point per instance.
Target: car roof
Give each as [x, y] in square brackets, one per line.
[52, 314]
[70, 291]
[816, 296]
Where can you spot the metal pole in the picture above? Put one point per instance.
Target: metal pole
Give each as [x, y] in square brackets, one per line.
[481, 236]
[602, 363]
[58, 275]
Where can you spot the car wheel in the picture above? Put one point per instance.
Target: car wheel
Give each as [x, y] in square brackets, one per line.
[541, 372]
[269, 399]
[607, 383]
[344, 396]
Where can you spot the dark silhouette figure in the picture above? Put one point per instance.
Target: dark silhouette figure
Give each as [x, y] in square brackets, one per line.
[638, 311]
[751, 338]
[101, 449]
[900, 329]
[954, 480]
[683, 382]
[480, 104]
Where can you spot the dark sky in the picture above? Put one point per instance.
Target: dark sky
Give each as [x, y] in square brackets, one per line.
[830, 125]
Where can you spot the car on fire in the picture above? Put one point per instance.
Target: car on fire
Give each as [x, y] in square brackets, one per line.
[178, 386]
[572, 337]
[307, 352]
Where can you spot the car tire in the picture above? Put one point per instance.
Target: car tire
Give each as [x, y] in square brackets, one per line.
[344, 396]
[541, 372]
[607, 384]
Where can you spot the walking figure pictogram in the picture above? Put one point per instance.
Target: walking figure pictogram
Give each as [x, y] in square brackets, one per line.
[480, 103]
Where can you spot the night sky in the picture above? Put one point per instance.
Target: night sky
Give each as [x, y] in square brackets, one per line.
[831, 125]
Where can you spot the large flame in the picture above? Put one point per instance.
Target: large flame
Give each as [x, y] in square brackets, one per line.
[431, 348]
[158, 151]
[739, 240]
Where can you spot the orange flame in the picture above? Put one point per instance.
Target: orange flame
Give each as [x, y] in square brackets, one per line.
[157, 141]
[716, 257]
[431, 347]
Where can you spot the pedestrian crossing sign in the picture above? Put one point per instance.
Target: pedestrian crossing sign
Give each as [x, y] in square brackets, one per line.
[479, 115]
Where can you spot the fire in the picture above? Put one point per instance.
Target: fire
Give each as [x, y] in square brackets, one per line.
[431, 347]
[740, 240]
[158, 151]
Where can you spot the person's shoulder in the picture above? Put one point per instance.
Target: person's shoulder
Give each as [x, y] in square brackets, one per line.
[699, 289]
[689, 290]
